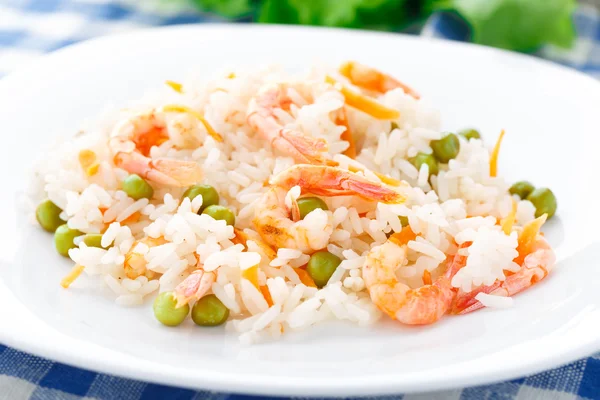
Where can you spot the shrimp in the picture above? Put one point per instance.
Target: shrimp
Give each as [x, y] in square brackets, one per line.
[242, 238]
[131, 143]
[421, 306]
[372, 80]
[262, 118]
[332, 181]
[272, 215]
[535, 267]
[196, 285]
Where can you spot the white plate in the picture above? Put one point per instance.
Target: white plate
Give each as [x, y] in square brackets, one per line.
[550, 114]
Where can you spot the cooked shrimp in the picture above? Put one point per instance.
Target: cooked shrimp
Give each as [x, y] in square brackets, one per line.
[534, 268]
[333, 181]
[242, 238]
[262, 118]
[370, 79]
[135, 262]
[196, 285]
[131, 144]
[272, 215]
[424, 305]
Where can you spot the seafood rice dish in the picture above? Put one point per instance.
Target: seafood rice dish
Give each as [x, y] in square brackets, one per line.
[269, 202]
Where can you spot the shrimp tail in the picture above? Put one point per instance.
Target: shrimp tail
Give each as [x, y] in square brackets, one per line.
[332, 181]
[465, 302]
[302, 148]
[185, 173]
[196, 285]
[535, 267]
[372, 191]
[164, 171]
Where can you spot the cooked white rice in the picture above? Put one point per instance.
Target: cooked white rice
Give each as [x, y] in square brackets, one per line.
[462, 203]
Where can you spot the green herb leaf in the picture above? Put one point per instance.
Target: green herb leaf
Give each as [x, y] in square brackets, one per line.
[522, 25]
[227, 8]
[346, 13]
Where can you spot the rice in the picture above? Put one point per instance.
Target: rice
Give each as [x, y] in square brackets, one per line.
[152, 245]
[493, 301]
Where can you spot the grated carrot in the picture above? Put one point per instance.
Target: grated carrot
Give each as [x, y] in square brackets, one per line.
[305, 277]
[87, 160]
[266, 294]
[427, 278]
[133, 218]
[403, 237]
[197, 115]
[528, 237]
[251, 274]
[371, 79]
[92, 170]
[176, 86]
[494, 156]
[240, 237]
[71, 276]
[342, 119]
[363, 103]
[508, 222]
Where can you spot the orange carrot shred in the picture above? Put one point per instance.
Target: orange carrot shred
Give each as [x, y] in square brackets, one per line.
[71, 276]
[251, 274]
[135, 217]
[305, 277]
[365, 104]
[494, 156]
[266, 294]
[427, 278]
[375, 80]
[528, 237]
[508, 222]
[403, 237]
[87, 160]
[176, 86]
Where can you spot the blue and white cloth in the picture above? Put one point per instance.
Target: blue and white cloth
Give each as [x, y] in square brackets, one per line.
[30, 28]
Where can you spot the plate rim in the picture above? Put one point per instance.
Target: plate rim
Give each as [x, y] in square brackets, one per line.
[18, 338]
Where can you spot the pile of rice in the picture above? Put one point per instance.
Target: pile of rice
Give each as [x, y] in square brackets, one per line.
[462, 203]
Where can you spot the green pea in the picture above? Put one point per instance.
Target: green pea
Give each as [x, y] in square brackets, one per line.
[220, 212]
[137, 188]
[470, 134]
[48, 215]
[166, 312]
[544, 201]
[209, 311]
[93, 240]
[210, 196]
[428, 159]
[321, 266]
[403, 220]
[63, 239]
[446, 148]
[308, 204]
[522, 189]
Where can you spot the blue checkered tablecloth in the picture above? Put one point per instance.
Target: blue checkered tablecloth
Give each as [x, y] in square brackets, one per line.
[30, 28]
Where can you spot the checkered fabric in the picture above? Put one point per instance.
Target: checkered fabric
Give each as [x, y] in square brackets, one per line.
[30, 28]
